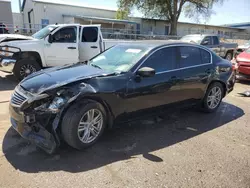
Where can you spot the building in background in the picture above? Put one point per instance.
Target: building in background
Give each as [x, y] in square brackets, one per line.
[6, 14]
[244, 25]
[39, 13]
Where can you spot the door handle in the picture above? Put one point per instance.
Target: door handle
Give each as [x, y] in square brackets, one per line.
[93, 47]
[72, 48]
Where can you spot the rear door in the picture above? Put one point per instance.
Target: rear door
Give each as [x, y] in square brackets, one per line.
[64, 47]
[90, 43]
[196, 68]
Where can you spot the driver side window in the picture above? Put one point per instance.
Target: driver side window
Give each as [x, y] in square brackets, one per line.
[162, 60]
[65, 35]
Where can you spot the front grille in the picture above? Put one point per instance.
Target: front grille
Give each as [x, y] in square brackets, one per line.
[18, 98]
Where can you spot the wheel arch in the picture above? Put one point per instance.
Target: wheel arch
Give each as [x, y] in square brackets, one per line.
[221, 82]
[33, 55]
[110, 116]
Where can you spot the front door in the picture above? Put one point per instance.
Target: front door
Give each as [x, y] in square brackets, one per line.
[196, 68]
[90, 43]
[161, 89]
[64, 47]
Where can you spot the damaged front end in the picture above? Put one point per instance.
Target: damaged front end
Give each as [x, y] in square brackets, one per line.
[36, 117]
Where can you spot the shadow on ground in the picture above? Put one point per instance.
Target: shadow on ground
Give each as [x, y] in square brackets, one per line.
[122, 143]
[8, 82]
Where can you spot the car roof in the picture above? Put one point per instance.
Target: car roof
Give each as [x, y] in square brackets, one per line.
[204, 35]
[156, 44]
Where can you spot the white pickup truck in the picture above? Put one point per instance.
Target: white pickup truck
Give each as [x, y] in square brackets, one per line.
[54, 45]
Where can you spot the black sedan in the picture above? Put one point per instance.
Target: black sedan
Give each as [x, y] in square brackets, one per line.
[78, 102]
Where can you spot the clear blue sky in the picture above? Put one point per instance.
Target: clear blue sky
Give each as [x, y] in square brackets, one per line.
[232, 11]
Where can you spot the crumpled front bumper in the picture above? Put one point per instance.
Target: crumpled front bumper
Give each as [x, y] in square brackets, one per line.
[33, 132]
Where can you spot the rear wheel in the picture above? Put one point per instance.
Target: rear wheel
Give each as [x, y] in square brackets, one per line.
[213, 97]
[25, 67]
[83, 124]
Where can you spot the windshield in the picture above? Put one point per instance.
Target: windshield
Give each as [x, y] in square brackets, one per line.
[120, 58]
[44, 32]
[197, 39]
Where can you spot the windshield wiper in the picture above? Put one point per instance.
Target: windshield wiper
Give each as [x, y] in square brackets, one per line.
[96, 66]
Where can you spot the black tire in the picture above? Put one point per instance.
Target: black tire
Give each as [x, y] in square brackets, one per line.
[229, 56]
[71, 120]
[205, 107]
[28, 63]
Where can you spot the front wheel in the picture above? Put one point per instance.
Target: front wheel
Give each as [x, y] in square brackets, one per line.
[25, 67]
[83, 124]
[213, 97]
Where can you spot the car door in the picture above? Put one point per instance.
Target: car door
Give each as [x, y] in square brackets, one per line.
[64, 47]
[90, 43]
[161, 89]
[196, 66]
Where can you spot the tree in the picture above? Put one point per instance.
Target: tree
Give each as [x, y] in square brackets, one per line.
[122, 14]
[170, 10]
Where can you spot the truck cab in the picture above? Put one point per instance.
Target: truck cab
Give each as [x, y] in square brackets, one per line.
[54, 45]
[224, 50]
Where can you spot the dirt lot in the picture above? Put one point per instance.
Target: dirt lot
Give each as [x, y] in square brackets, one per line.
[185, 149]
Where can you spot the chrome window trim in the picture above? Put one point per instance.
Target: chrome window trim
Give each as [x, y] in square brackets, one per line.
[181, 45]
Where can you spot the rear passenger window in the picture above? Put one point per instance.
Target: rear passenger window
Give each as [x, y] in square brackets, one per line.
[162, 60]
[189, 56]
[206, 58]
[89, 34]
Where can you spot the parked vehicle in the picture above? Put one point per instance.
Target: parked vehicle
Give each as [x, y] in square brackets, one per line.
[77, 102]
[224, 50]
[3, 28]
[54, 45]
[243, 47]
[242, 65]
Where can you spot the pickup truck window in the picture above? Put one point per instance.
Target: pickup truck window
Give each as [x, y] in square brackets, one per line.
[89, 34]
[65, 35]
[207, 41]
[215, 40]
[162, 60]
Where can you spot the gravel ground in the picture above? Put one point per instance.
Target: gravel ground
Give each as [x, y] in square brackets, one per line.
[185, 149]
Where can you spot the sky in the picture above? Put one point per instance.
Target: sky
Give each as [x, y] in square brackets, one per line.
[231, 11]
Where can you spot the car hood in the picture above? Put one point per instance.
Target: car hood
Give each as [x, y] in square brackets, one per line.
[10, 37]
[55, 77]
[244, 57]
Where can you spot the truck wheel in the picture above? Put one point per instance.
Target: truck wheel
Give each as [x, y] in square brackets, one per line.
[213, 97]
[83, 124]
[25, 67]
[229, 56]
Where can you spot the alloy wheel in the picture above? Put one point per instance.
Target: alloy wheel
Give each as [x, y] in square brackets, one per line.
[214, 97]
[26, 70]
[90, 126]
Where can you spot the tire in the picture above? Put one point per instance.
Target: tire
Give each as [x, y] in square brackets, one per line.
[70, 126]
[206, 105]
[229, 56]
[25, 67]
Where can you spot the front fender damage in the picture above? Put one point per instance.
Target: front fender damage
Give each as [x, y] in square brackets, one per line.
[46, 134]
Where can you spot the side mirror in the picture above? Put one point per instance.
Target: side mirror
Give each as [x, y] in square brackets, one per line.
[146, 72]
[205, 42]
[50, 39]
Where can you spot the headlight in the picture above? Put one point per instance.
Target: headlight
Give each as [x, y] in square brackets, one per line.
[56, 104]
